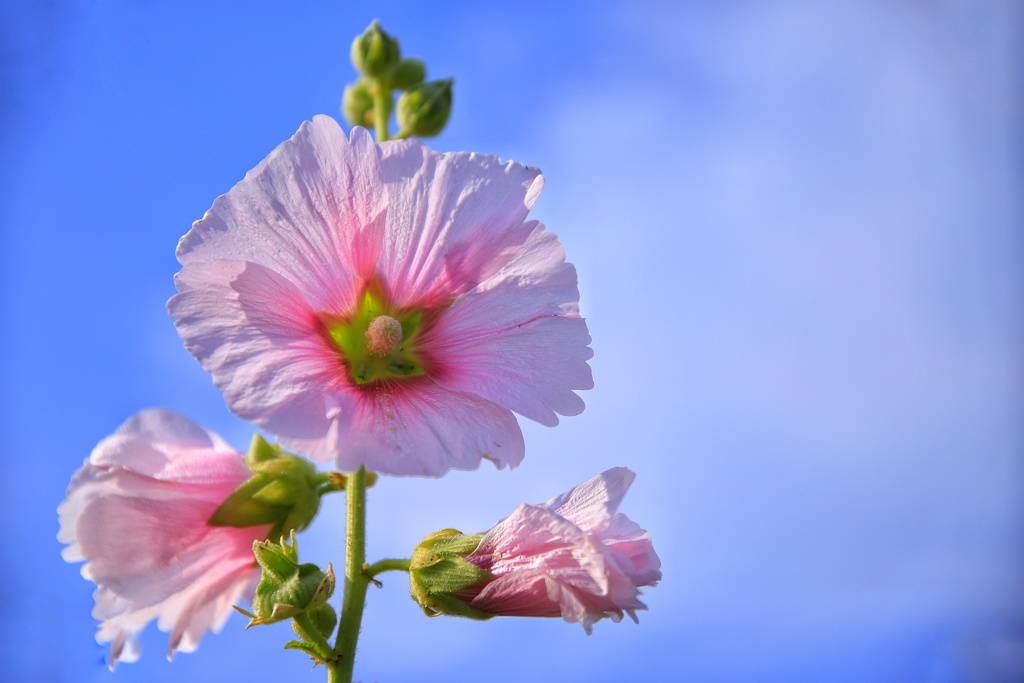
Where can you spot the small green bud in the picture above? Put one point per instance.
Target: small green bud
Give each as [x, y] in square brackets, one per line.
[357, 105]
[375, 53]
[278, 560]
[438, 569]
[324, 619]
[287, 588]
[284, 491]
[423, 110]
[409, 72]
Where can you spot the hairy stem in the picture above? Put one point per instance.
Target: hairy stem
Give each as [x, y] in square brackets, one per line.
[381, 111]
[356, 579]
[390, 565]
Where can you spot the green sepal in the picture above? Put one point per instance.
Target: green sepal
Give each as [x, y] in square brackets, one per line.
[451, 543]
[446, 605]
[424, 109]
[243, 508]
[260, 451]
[314, 627]
[309, 648]
[278, 560]
[247, 613]
[449, 574]
[438, 569]
[284, 491]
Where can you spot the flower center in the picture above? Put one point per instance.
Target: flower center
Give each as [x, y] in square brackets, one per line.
[376, 343]
[383, 335]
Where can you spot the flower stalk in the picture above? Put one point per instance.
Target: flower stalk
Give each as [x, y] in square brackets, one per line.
[356, 579]
[389, 565]
[381, 111]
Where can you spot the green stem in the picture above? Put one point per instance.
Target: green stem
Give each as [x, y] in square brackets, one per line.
[382, 566]
[381, 111]
[356, 579]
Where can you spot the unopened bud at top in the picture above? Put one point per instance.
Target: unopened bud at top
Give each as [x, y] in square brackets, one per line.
[357, 105]
[408, 72]
[375, 53]
[423, 110]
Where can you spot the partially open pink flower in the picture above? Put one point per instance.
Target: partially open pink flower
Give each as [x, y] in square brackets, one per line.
[136, 513]
[573, 557]
[384, 305]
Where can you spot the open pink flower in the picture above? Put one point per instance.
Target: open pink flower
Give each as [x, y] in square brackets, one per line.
[384, 305]
[572, 557]
[136, 513]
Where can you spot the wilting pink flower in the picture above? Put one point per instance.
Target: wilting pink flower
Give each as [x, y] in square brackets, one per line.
[573, 557]
[136, 514]
[384, 305]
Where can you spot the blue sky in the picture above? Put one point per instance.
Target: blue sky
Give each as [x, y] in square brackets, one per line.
[815, 205]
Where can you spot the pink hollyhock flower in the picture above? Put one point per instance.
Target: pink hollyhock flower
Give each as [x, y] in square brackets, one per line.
[572, 557]
[136, 514]
[384, 305]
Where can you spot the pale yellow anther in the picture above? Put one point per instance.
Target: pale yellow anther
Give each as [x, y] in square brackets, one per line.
[383, 335]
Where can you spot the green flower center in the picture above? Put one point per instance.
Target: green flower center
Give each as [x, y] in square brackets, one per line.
[375, 343]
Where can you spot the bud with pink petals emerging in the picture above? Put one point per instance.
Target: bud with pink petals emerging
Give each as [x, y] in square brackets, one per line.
[572, 557]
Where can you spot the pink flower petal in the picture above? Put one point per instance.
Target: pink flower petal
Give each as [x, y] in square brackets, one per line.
[590, 505]
[255, 333]
[532, 537]
[314, 210]
[568, 557]
[468, 213]
[136, 514]
[501, 339]
[632, 550]
[547, 566]
[418, 428]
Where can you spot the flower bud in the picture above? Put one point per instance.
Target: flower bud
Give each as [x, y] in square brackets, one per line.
[437, 571]
[357, 105]
[407, 73]
[287, 588]
[574, 556]
[375, 53]
[424, 109]
[284, 491]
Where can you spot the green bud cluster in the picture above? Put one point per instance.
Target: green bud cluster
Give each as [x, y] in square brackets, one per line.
[289, 590]
[284, 491]
[423, 107]
[438, 569]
